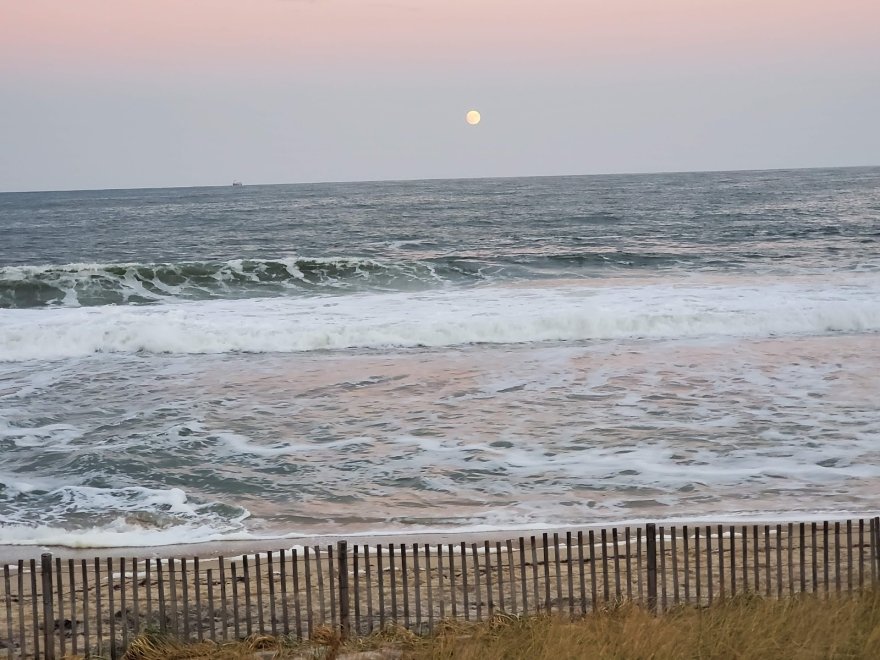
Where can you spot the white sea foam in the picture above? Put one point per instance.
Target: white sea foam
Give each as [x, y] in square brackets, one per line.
[491, 315]
[118, 534]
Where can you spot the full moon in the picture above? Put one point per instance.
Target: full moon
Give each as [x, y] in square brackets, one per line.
[472, 117]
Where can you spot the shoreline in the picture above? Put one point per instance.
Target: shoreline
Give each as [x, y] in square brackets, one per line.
[212, 549]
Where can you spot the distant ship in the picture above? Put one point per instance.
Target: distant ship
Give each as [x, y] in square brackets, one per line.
[237, 184]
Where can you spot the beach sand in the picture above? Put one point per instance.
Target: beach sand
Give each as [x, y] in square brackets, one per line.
[264, 591]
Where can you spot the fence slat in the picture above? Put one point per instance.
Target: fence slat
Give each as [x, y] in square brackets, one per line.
[285, 610]
[874, 546]
[84, 572]
[768, 572]
[790, 546]
[803, 557]
[48, 615]
[535, 575]
[556, 564]
[837, 575]
[849, 556]
[721, 586]
[258, 579]
[570, 574]
[639, 562]
[732, 561]
[478, 594]
[270, 573]
[381, 582]
[135, 598]
[453, 600]
[512, 576]
[581, 577]
[546, 549]
[500, 567]
[756, 559]
[342, 573]
[297, 603]
[664, 592]
[779, 561]
[123, 607]
[487, 562]
[160, 597]
[710, 581]
[522, 575]
[429, 581]
[629, 589]
[322, 601]
[814, 556]
[697, 585]
[593, 585]
[172, 586]
[651, 548]
[7, 600]
[861, 554]
[248, 614]
[224, 611]
[111, 608]
[331, 577]
[393, 573]
[35, 606]
[745, 560]
[197, 587]
[825, 557]
[618, 592]
[405, 575]
[368, 587]
[184, 581]
[606, 591]
[464, 587]
[212, 632]
[675, 589]
[417, 586]
[685, 544]
[99, 618]
[236, 620]
[61, 626]
[74, 627]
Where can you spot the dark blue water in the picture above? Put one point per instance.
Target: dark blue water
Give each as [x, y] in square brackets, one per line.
[137, 246]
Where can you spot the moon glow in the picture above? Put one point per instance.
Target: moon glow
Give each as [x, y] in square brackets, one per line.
[472, 117]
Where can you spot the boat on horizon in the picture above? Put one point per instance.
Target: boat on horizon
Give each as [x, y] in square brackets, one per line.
[237, 184]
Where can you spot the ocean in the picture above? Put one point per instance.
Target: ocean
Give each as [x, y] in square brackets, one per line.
[195, 364]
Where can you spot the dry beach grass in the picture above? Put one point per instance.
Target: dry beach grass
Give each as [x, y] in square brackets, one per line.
[804, 627]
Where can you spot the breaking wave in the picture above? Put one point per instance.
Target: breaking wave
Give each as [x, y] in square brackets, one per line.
[88, 285]
[493, 314]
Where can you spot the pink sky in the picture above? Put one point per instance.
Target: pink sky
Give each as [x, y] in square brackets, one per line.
[119, 93]
[107, 36]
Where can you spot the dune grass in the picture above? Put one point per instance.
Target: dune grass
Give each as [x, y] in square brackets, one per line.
[746, 627]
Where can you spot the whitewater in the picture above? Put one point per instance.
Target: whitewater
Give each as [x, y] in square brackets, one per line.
[279, 361]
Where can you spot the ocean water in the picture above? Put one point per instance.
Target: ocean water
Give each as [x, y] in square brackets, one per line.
[265, 361]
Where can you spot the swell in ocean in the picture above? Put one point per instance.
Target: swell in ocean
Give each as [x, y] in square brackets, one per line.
[80, 284]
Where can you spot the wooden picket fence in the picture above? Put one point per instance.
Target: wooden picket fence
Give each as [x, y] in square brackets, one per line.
[57, 607]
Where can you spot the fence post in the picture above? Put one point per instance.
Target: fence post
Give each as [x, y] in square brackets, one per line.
[48, 614]
[875, 543]
[651, 550]
[342, 571]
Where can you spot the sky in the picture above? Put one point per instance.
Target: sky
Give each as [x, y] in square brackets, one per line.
[143, 93]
